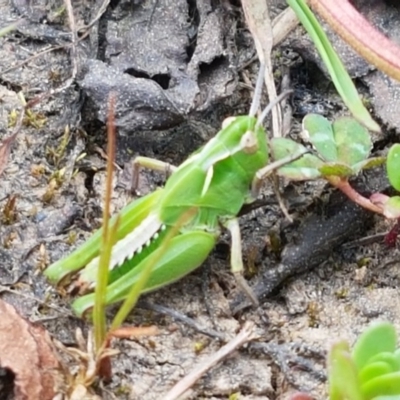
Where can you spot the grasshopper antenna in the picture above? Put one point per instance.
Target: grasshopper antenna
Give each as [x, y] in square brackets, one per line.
[257, 92]
[271, 105]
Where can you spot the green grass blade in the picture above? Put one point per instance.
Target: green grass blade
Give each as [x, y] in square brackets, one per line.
[108, 238]
[340, 77]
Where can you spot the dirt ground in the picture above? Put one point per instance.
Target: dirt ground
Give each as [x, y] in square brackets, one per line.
[178, 68]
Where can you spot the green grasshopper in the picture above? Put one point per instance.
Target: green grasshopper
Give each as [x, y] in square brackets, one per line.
[216, 181]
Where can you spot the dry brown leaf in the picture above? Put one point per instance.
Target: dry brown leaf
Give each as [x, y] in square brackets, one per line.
[26, 350]
[5, 151]
[125, 332]
[260, 26]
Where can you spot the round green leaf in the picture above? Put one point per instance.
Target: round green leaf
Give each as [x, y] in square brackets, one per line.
[352, 139]
[373, 370]
[393, 166]
[318, 131]
[388, 358]
[304, 168]
[384, 385]
[377, 338]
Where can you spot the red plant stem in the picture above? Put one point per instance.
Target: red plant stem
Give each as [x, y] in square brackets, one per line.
[391, 237]
[352, 194]
[357, 31]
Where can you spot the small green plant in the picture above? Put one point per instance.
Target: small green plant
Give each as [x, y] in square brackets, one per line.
[371, 370]
[368, 371]
[391, 205]
[341, 151]
[393, 166]
[384, 54]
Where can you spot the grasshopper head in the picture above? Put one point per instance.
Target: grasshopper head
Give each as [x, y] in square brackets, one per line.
[248, 141]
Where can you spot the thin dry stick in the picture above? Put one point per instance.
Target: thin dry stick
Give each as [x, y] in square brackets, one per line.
[181, 318]
[102, 9]
[283, 24]
[83, 29]
[72, 27]
[29, 59]
[245, 335]
[61, 311]
[74, 60]
[259, 22]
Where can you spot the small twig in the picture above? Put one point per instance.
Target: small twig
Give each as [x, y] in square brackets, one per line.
[102, 9]
[103, 154]
[245, 335]
[181, 318]
[74, 41]
[155, 5]
[74, 60]
[379, 237]
[62, 312]
[258, 20]
[41, 53]
[6, 144]
[282, 357]
[20, 119]
[283, 24]
[282, 205]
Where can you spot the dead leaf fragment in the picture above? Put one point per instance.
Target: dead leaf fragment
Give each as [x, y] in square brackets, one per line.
[26, 351]
[5, 150]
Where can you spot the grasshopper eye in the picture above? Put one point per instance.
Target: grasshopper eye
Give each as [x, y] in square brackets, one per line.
[248, 143]
[227, 121]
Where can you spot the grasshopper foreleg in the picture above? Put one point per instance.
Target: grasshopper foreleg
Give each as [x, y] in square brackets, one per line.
[237, 259]
[263, 173]
[149, 163]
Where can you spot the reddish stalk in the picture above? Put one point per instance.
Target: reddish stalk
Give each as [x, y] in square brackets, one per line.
[358, 32]
[352, 194]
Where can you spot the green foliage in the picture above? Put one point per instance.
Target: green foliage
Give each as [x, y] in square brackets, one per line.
[371, 371]
[304, 168]
[393, 166]
[344, 145]
[391, 205]
[342, 149]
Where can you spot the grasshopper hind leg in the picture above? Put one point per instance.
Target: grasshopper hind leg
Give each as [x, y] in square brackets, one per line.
[237, 260]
